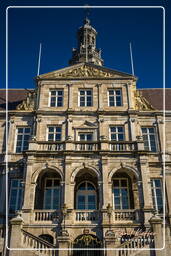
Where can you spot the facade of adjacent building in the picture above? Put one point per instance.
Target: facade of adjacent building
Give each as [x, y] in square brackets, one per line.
[87, 153]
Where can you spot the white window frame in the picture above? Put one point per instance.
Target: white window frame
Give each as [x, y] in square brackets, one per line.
[117, 133]
[148, 135]
[86, 193]
[85, 96]
[114, 96]
[120, 196]
[54, 133]
[18, 188]
[154, 195]
[52, 197]
[56, 97]
[16, 138]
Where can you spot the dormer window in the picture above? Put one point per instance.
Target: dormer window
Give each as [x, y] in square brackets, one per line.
[86, 98]
[114, 97]
[56, 98]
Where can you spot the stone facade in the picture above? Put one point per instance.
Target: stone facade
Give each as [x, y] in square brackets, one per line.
[106, 160]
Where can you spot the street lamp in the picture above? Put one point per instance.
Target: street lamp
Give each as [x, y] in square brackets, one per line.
[109, 213]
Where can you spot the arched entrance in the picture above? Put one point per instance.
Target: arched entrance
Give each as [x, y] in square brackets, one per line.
[87, 241]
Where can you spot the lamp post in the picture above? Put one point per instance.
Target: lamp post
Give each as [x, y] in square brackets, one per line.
[109, 213]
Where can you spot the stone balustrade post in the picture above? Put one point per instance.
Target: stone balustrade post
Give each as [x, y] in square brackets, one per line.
[156, 224]
[64, 243]
[16, 235]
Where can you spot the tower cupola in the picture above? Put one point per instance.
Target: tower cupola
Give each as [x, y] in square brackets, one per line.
[86, 50]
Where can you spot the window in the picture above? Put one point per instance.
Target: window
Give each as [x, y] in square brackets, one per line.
[85, 136]
[56, 98]
[16, 193]
[121, 193]
[117, 133]
[52, 194]
[23, 136]
[157, 194]
[54, 133]
[114, 97]
[86, 196]
[86, 98]
[149, 138]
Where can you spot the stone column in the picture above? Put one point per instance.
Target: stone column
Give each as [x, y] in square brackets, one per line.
[107, 187]
[156, 224]
[16, 235]
[129, 95]
[99, 92]
[69, 189]
[70, 96]
[168, 191]
[29, 195]
[146, 185]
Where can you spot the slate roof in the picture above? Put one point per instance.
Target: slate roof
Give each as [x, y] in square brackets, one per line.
[154, 97]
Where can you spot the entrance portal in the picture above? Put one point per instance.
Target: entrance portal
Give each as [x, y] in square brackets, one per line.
[86, 242]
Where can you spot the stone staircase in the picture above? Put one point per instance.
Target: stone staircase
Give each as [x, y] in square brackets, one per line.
[137, 246]
[43, 247]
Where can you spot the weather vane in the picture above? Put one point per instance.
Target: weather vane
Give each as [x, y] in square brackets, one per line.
[87, 10]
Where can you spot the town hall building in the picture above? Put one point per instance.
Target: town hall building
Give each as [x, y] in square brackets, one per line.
[86, 162]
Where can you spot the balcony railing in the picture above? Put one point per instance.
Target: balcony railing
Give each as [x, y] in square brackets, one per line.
[87, 215]
[90, 146]
[126, 215]
[50, 146]
[46, 215]
[86, 146]
[122, 146]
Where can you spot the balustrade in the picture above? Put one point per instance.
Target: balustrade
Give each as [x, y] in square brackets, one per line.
[86, 146]
[46, 215]
[132, 245]
[125, 215]
[42, 246]
[50, 146]
[82, 216]
[122, 146]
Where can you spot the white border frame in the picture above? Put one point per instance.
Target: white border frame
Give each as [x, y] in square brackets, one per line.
[163, 157]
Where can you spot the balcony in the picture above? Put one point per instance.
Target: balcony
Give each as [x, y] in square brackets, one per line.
[85, 146]
[122, 146]
[46, 215]
[87, 215]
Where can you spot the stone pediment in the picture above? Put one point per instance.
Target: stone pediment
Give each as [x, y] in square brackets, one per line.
[84, 70]
[87, 125]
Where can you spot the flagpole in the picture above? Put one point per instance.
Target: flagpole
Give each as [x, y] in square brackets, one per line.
[132, 63]
[38, 68]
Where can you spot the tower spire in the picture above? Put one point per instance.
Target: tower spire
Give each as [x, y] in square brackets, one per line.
[86, 50]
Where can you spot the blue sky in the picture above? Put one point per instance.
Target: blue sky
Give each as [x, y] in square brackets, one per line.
[56, 29]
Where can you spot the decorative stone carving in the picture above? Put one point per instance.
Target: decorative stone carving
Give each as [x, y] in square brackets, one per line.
[141, 103]
[28, 103]
[83, 71]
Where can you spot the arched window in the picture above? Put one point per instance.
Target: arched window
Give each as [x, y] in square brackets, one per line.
[121, 196]
[86, 196]
[52, 193]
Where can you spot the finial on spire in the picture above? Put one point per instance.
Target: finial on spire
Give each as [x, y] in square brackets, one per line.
[87, 11]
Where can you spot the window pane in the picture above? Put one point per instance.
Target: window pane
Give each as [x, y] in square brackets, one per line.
[49, 183]
[124, 183]
[89, 92]
[53, 92]
[82, 186]
[116, 183]
[81, 202]
[90, 186]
